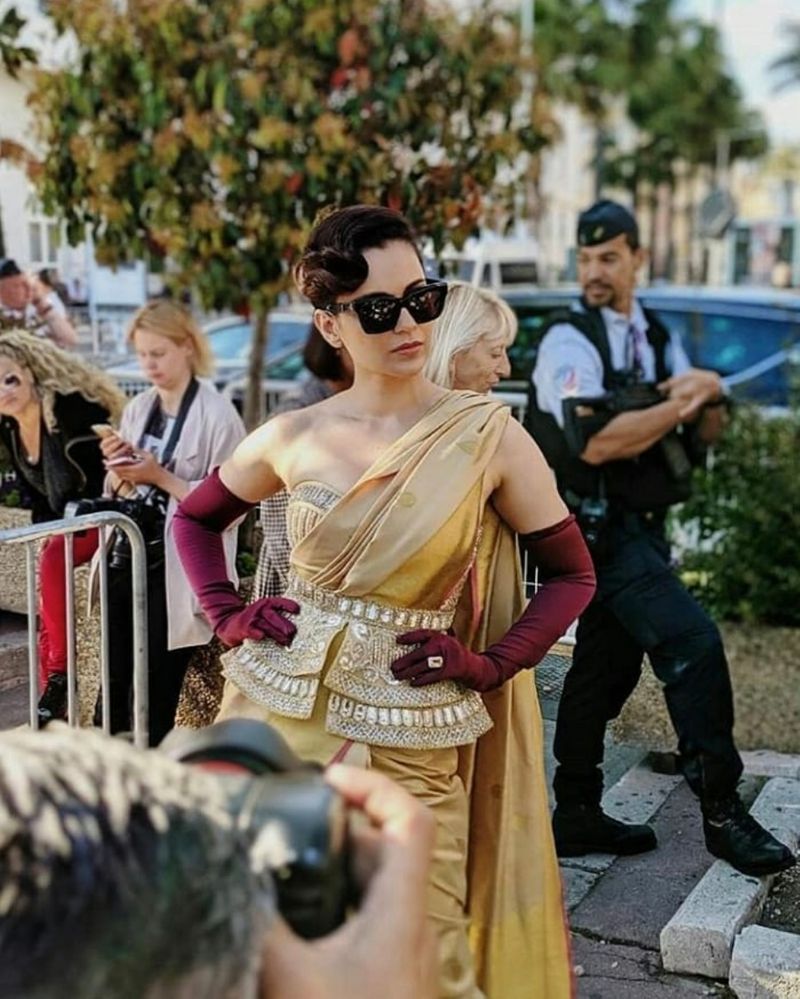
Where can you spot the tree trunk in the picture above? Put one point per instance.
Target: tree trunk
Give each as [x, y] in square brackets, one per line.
[255, 409]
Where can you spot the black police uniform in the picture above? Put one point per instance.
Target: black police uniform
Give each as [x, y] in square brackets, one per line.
[640, 605]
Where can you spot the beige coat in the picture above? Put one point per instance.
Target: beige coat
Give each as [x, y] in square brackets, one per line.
[212, 430]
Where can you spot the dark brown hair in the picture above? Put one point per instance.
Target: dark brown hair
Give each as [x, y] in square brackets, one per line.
[333, 261]
[321, 358]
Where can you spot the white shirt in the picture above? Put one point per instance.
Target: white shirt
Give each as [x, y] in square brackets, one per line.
[568, 365]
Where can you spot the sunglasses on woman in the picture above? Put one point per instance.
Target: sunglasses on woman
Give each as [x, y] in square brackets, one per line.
[380, 313]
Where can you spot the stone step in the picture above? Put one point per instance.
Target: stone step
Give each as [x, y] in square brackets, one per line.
[768, 763]
[765, 964]
[699, 938]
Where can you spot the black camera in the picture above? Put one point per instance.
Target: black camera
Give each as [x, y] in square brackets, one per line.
[148, 512]
[267, 783]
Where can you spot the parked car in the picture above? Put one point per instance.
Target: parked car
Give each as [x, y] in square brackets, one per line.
[230, 339]
[751, 336]
[491, 262]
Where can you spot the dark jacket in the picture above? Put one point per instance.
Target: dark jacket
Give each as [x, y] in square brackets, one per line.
[71, 462]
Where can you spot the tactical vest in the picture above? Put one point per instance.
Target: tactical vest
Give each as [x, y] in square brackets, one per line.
[636, 484]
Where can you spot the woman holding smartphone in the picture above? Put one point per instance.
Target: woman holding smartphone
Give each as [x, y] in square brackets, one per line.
[170, 437]
[49, 402]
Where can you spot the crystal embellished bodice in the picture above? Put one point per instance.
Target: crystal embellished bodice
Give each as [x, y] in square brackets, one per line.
[307, 503]
[347, 644]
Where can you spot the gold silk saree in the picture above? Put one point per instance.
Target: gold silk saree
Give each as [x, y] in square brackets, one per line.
[412, 544]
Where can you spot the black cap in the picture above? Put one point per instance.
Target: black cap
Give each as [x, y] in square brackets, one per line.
[605, 220]
[8, 267]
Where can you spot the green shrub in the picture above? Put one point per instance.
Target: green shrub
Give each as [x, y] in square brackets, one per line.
[742, 524]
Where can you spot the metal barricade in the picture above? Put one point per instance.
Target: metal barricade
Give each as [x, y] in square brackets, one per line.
[67, 528]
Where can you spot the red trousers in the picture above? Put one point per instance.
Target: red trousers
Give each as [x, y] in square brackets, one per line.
[53, 599]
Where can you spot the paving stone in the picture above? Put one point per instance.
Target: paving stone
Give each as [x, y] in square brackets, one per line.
[13, 650]
[766, 763]
[638, 895]
[614, 971]
[699, 937]
[765, 964]
[577, 885]
[638, 794]
[13, 707]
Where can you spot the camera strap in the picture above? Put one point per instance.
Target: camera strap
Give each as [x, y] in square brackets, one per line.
[186, 401]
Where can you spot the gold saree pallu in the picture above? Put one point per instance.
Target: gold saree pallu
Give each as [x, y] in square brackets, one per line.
[366, 703]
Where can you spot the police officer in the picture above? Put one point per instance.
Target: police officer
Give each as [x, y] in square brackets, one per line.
[621, 415]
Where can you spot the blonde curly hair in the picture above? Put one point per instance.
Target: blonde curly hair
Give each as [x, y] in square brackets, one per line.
[55, 371]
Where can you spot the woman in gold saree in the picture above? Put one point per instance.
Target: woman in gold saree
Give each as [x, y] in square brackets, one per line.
[397, 489]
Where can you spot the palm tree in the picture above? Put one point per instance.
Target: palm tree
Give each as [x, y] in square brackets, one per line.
[789, 63]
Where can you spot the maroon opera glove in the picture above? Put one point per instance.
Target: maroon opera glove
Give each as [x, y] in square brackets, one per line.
[439, 656]
[565, 566]
[199, 521]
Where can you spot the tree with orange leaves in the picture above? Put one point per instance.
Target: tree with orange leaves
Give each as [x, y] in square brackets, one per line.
[209, 135]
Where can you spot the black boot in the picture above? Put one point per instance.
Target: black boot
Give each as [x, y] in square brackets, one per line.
[581, 829]
[733, 834]
[53, 702]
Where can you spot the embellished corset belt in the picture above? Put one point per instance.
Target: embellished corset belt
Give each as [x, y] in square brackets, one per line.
[348, 644]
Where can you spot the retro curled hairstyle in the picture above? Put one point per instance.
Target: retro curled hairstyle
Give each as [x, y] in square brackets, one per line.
[333, 261]
[469, 315]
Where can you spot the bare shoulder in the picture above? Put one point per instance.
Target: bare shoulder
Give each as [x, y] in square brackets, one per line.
[516, 441]
[517, 455]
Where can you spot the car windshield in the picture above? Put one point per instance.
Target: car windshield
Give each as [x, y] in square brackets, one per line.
[231, 344]
[731, 344]
[522, 352]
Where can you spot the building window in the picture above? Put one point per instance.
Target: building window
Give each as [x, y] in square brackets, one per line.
[53, 240]
[43, 242]
[35, 242]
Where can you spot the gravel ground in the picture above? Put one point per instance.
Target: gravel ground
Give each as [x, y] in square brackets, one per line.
[763, 663]
[782, 908]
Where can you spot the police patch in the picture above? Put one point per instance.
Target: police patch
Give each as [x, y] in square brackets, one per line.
[567, 381]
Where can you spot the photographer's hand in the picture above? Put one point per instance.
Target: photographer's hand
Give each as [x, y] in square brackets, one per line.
[387, 948]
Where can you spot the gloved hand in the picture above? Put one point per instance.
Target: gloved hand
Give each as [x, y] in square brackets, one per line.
[440, 656]
[199, 520]
[567, 586]
[263, 619]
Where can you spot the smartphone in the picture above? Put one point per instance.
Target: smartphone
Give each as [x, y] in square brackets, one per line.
[125, 459]
[103, 429]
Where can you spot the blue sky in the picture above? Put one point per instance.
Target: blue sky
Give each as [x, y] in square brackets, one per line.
[753, 37]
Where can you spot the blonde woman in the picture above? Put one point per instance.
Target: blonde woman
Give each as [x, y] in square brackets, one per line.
[49, 401]
[473, 334]
[170, 437]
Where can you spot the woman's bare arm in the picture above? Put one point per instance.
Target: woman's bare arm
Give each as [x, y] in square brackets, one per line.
[252, 472]
[525, 493]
